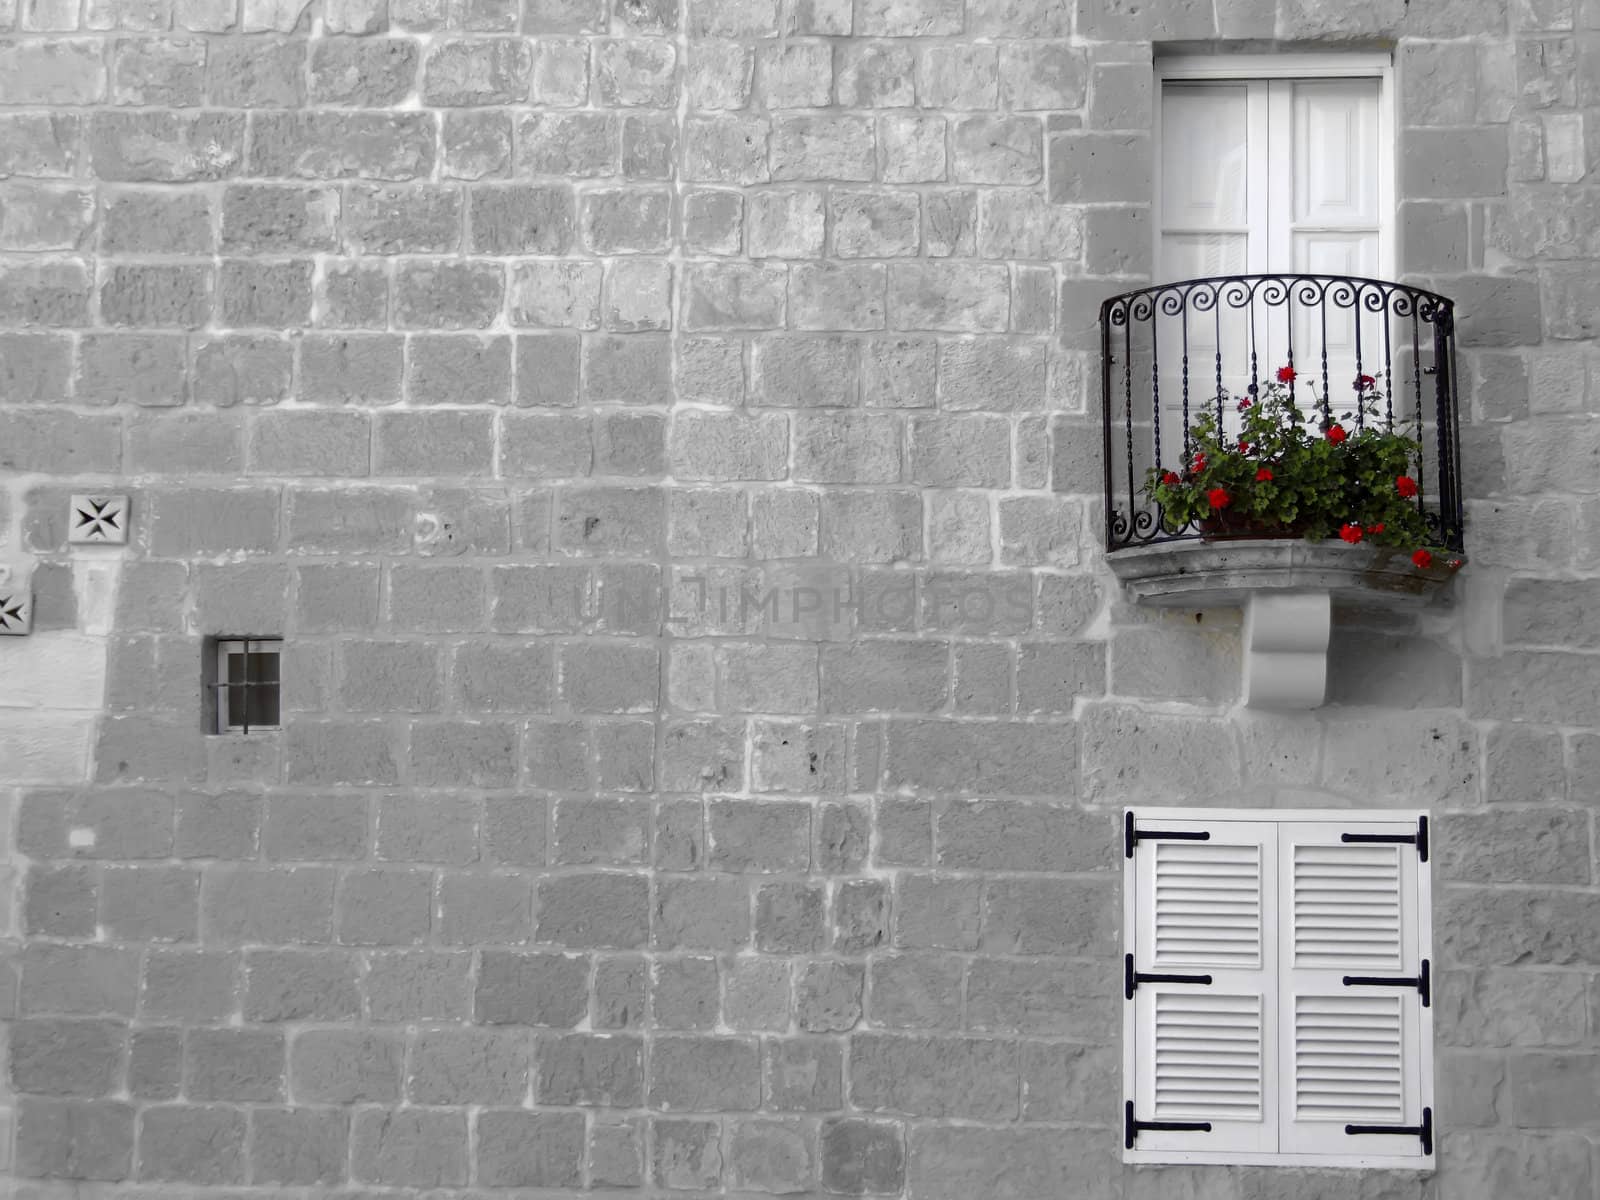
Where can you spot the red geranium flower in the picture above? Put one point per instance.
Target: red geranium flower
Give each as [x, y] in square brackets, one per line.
[1378, 528]
[1363, 382]
[1350, 533]
[1199, 462]
[1422, 559]
[1336, 434]
[1244, 446]
[1264, 475]
[1169, 478]
[1405, 485]
[1286, 374]
[1219, 498]
[1245, 403]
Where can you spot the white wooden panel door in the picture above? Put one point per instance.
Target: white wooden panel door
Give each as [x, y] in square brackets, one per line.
[1330, 221]
[1206, 193]
[1269, 175]
[1349, 1054]
[1211, 222]
[1206, 1051]
[1336, 154]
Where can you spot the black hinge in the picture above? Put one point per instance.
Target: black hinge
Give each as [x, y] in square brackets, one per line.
[1423, 1131]
[1418, 839]
[1131, 837]
[1422, 981]
[1131, 1127]
[1131, 979]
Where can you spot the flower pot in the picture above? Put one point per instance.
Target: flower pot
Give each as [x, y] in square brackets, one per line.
[1223, 525]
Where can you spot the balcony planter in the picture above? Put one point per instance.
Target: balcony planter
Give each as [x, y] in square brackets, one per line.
[1230, 479]
[1226, 526]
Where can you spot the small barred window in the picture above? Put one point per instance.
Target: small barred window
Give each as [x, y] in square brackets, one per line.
[243, 681]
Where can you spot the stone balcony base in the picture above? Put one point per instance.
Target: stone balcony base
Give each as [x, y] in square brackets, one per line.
[1227, 573]
[1287, 588]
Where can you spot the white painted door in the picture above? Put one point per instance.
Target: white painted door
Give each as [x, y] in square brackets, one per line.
[1276, 175]
[1331, 225]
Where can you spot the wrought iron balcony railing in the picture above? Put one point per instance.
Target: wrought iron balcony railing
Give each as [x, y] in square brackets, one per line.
[1175, 350]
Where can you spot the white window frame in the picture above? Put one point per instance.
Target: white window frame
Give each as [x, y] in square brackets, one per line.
[1274, 1089]
[1294, 67]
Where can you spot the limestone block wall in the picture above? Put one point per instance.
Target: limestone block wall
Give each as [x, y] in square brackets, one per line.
[665, 434]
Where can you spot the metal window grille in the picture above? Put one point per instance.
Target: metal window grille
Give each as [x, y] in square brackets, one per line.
[245, 684]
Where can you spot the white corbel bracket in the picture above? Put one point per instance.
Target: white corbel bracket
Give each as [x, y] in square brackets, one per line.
[1286, 649]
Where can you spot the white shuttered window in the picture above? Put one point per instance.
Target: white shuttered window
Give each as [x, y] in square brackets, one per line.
[1277, 988]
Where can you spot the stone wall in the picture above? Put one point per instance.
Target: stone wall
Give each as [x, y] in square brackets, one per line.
[666, 437]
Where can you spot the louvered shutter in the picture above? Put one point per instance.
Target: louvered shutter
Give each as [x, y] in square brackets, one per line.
[1203, 1052]
[1358, 1053]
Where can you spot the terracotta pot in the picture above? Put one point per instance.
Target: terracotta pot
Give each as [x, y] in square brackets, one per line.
[1227, 525]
